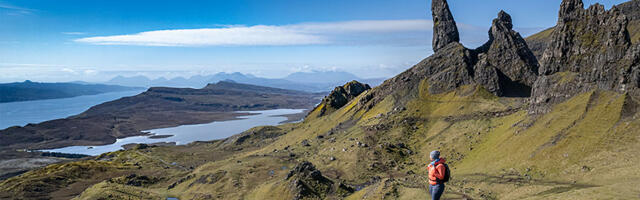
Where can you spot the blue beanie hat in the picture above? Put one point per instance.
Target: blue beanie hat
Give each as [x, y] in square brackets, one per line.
[435, 155]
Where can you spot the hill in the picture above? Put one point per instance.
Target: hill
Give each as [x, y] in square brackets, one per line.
[27, 90]
[511, 126]
[316, 81]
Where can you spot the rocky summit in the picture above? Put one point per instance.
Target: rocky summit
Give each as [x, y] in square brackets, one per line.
[339, 97]
[504, 65]
[589, 49]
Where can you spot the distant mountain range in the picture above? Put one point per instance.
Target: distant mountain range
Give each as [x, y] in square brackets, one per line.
[302, 81]
[28, 90]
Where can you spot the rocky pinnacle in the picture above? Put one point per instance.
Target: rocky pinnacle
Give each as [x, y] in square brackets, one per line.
[445, 30]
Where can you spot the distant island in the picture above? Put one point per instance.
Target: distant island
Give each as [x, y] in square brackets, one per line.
[28, 90]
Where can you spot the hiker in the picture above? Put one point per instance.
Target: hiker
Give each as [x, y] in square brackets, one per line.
[438, 175]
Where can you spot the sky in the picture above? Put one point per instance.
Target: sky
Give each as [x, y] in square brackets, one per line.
[81, 40]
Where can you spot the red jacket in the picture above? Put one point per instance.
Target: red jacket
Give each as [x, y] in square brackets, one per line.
[437, 172]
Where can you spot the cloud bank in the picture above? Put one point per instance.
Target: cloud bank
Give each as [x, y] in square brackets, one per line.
[264, 35]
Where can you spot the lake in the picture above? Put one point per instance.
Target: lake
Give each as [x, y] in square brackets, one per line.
[190, 133]
[23, 112]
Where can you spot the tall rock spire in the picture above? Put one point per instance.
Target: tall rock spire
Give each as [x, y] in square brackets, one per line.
[445, 30]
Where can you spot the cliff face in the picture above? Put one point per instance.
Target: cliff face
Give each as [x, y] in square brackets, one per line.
[630, 9]
[538, 42]
[589, 49]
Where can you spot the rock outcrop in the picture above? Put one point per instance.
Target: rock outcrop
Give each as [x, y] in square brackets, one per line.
[516, 66]
[631, 9]
[583, 38]
[340, 96]
[445, 30]
[505, 66]
[590, 49]
[305, 181]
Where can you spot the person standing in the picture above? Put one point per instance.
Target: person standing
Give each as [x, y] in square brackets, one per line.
[438, 175]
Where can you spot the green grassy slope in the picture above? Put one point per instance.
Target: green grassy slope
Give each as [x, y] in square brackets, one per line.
[378, 144]
[584, 149]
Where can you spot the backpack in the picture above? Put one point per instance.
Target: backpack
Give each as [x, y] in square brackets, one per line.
[447, 174]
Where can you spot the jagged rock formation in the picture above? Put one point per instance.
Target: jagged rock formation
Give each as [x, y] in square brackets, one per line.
[516, 66]
[590, 49]
[630, 9]
[585, 38]
[308, 182]
[445, 30]
[538, 42]
[504, 65]
[340, 96]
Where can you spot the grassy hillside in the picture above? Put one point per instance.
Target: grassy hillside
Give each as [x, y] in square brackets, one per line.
[584, 149]
[375, 145]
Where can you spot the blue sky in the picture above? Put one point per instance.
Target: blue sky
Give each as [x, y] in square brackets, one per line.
[68, 40]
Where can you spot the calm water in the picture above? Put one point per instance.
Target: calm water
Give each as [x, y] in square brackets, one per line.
[190, 133]
[24, 112]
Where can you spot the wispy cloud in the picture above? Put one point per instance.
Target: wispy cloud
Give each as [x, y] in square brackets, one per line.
[15, 10]
[74, 33]
[231, 36]
[263, 35]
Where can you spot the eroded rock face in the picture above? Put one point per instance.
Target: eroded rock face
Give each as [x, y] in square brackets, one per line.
[507, 51]
[585, 38]
[340, 96]
[504, 66]
[630, 9]
[445, 30]
[590, 49]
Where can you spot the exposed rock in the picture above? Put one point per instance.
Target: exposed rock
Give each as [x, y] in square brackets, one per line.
[445, 30]
[308, 182]
[506, 66]
[630, 9]
[340, 96]
[135, 180]
[508, 51]
[449, 68]
[590, 49]
[586, 38]
[305, 143]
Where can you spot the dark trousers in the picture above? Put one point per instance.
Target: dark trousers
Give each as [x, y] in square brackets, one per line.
[436, 191]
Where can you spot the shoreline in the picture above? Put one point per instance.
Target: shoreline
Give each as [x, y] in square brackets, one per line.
[232, 116]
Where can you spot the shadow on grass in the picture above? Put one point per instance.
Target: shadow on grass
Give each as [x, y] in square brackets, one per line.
[558, 186]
